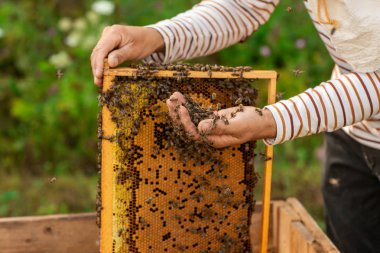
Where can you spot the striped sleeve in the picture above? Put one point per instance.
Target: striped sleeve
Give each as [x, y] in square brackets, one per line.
[340, 102]
[209, 27]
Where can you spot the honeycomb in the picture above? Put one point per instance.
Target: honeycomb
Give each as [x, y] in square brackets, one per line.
[168, 195]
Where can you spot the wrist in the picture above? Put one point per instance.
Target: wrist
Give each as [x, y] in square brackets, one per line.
[158, 40]
[269, 125]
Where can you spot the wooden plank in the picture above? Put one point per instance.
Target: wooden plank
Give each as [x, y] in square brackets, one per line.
[286, 217]
[267, 177]
[276, 205]
[108, 157]
[261, 74]
[325, 243]
[74, 233]
[255, 228]
[300, 237]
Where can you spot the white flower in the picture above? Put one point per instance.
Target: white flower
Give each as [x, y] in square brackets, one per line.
[89, 42]
[92, 17]
[64, 24]
[60, 60]
[80, 24]
[103, 7]
[72, 40]
[1, 33]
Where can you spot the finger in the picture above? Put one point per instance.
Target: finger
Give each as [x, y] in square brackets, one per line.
[173, 112]
[109, 41]
[221, 141]
[121, 55]
[178, 97]
[213, 127]
[187, 124]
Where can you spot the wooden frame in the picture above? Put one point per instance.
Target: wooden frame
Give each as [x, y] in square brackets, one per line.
[107, 156]
[292, 230]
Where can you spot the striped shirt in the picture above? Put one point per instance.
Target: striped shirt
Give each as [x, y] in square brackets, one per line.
[350, 100]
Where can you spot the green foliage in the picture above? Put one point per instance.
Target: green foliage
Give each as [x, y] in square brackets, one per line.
[48, 124]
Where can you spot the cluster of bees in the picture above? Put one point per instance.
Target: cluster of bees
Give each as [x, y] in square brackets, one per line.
[135, 100]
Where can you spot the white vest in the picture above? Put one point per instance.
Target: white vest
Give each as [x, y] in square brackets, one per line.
[357, 35]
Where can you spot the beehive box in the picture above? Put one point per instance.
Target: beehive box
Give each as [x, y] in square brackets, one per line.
[292, 230]
[161, 193]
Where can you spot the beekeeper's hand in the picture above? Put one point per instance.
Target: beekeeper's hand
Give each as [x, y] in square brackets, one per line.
[122, 43]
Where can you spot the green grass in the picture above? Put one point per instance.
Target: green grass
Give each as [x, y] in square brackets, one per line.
[24, 195]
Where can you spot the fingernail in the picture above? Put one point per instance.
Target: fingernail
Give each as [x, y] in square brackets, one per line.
[112, 61]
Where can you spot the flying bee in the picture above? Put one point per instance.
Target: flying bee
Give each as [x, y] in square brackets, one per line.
[289, 9]
[52, 180]
[59, 73]
[279, 95]
[297, 72]
[264, 157]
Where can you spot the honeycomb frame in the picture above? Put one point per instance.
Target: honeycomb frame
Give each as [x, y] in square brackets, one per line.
[108, 128]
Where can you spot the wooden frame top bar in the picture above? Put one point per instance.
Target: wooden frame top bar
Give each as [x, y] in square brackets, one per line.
[253, 74]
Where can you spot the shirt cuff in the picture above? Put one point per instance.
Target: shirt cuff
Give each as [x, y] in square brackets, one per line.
[279, 126]
[168, 36]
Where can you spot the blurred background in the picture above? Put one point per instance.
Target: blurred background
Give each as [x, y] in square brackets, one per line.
[48, 103]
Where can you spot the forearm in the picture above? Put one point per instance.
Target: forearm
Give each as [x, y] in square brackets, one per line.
[331, 105]
[209, 27]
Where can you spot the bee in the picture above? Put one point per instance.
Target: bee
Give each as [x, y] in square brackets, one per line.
[297, 72]
[289, 9]
[59, 73]
[238, 101]
[218, 106]
[259, 111]
[225, 120]
[279, 95]
[173, 99]
[213, 97]
[52, 180]
[209, 73]
[241, 108]
[197, 197]
[142, 222]
[181, 248]
[264, 157]
[156, 108]
[233, 115]
[149, 200]
[176, 217]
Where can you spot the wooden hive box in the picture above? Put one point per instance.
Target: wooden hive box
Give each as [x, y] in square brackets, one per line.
[292, 230]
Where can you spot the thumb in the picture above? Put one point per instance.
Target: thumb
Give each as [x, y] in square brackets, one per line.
[121, 55]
